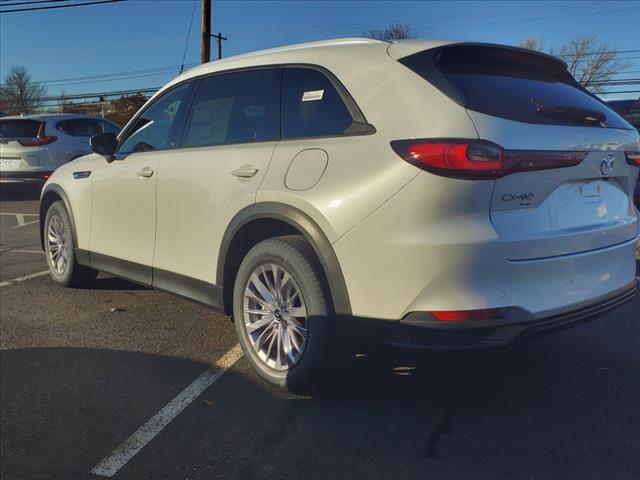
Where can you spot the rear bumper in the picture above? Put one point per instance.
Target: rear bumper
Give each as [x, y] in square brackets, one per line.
[427, 334]
[25, 176]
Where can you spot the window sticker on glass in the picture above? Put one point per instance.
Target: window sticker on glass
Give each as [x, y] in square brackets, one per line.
[312, 95]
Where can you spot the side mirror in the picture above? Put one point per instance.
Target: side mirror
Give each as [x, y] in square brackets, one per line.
[104, 144]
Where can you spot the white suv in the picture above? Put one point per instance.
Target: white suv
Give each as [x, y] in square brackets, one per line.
[33, 146]
[422, 194]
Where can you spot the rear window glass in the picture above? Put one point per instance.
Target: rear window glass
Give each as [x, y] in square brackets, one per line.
[519, 86]
[80, 127]
[19, 128]
[109, 127]
[629, 110]
[311, 105]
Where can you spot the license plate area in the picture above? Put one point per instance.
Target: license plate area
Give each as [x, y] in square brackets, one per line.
[10, 164]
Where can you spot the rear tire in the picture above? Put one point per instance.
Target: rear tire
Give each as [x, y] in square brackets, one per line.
[281, 315]
[60, 248]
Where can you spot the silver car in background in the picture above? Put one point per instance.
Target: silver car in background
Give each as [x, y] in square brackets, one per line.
[33, 146]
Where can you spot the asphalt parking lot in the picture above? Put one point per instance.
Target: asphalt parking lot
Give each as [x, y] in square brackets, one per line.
[82, 370]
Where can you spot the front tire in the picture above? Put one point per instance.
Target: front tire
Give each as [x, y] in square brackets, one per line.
[280, 312]
[60, 248]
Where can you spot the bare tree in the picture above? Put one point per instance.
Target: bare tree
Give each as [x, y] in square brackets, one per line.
[19, 92]
[394, 31]
[591, 63]
[533, 43]
[122, 109]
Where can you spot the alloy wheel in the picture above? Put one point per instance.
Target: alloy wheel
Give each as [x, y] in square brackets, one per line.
[275, 316]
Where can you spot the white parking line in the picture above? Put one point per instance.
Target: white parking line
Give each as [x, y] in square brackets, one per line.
[136, 442]
[22, 279]
[20, 218]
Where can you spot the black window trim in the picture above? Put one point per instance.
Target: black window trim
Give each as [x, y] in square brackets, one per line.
[179, 127]
[182, 131]
[359, 124]
[358, 118]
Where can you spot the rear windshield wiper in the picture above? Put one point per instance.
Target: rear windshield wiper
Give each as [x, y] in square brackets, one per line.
[578, 116]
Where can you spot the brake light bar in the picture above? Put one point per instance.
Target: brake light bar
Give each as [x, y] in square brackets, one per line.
[462, 315]
[479, 159]
[40, 140]
[633, 158]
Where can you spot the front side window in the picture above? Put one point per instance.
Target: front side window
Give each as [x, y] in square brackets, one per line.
[153, 129]
[311, 105]
[235, 108]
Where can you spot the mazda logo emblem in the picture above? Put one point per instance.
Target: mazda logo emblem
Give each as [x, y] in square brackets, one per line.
[606, 166]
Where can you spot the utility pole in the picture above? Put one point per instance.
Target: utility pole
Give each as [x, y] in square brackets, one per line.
[205, 47]
[219, 39]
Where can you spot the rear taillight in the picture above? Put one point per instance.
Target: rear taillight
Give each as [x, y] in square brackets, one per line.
[40, 140]
[479, 159]
[462, 315]
[633, 158]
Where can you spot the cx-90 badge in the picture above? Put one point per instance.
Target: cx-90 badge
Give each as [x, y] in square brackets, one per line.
[523, 198]
[606, 166]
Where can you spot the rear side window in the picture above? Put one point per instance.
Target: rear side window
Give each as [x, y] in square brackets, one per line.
[19, 128]
[80, 127]
[311, 105]
[514, 84]
[236, 107]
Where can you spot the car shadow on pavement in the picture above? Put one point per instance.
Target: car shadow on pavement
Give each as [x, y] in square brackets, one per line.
[562, 407]
[107, 282]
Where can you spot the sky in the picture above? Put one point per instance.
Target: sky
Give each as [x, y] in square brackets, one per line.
[140, 35]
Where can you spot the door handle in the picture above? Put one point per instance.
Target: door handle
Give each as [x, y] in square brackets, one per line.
[146, 172]
[244, 172]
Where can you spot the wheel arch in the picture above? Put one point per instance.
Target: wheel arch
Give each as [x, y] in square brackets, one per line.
[265, 220]
[52, 193]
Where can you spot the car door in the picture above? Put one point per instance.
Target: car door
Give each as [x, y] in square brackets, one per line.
[227, 144]
[123, 219]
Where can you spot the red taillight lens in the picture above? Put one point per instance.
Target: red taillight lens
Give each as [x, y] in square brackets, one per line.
[467, 160]
[40, 140]
[479, 159]
[461, 315]
[633, 158]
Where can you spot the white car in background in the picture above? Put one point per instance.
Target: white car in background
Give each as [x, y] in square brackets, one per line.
[33, 146]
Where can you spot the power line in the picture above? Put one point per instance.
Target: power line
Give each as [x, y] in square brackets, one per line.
[623, 91]
[99, 94]
[13, 4]
[528, 19]
[51, 7]
[110, 76]
[597, 53]
[186, 43]
[116, 79]
[420, 20]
